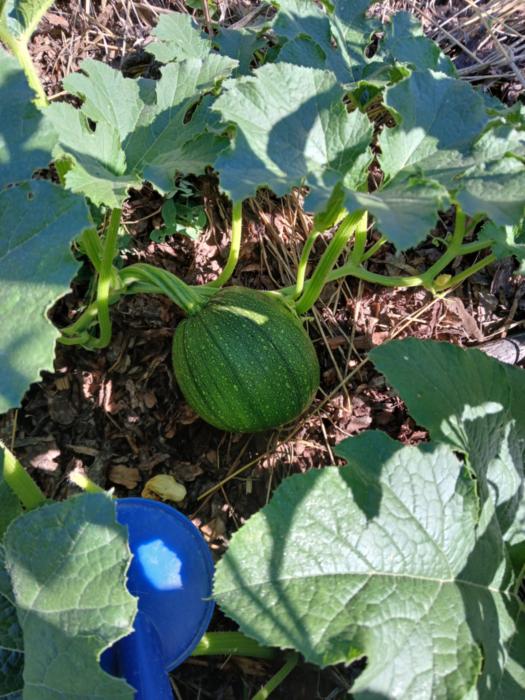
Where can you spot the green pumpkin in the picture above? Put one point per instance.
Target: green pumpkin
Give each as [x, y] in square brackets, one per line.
[244, 361]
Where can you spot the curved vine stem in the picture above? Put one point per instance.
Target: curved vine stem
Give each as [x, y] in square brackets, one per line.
[235, 247]
[328, 260]
[190, 299]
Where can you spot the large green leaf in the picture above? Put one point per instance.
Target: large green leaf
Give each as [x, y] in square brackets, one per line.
[20, 17]
[403, 555]
[11, 641]
[128, 131]
[239, 44]
[107, 96]
[405, 211]
[381, 559]
[178, 38]
[169, 142]
[405, 41]
[288, 137]
[38, 222]
[67, 562]
[473, 403]
[434, 113]
[336, 38]
[26, 135]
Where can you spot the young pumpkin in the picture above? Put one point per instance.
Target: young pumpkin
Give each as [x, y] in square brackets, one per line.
[244, 362]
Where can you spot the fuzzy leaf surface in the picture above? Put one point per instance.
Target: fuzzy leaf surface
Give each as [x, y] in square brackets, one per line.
[26, 135]
[381, 559]
[402, 556]
[285, 138]
[38, 222]
[404, 211]
[239, 44]
[67, 563]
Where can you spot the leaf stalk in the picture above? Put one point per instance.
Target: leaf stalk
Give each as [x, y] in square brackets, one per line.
[235, 247]
[19, 481]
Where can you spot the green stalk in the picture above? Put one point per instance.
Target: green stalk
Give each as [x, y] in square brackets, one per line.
[453, 250]
[303, 262]
[235, 247]
[373, 249]
[105, 279]
[19, 481]
[21, 53]
[462, 276]
[328, 260]
[279, 677]
[231, 644]
[475, 247]
[358, 249]
[92, 247]
[322, 223]
[349, 269]
[190, 299]
[84, 482]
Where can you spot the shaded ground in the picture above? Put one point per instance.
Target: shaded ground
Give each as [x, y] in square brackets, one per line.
[117, 415]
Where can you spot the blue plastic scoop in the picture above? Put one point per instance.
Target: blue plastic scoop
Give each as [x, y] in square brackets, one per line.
[171, 574]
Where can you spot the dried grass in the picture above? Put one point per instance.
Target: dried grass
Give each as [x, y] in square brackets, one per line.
[485, 38]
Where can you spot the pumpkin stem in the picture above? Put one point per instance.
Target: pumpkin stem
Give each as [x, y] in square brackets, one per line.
[189, 298]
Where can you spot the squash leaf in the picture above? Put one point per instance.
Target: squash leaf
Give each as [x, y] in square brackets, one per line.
[141, 131]
[67, 563]
[26, 135]
[38, 222]
[285, 138]
[178, 38]
[405, 42]
[400, 556]
[339, 35]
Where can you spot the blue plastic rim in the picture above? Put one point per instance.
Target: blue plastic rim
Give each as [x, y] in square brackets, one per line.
[171, 573]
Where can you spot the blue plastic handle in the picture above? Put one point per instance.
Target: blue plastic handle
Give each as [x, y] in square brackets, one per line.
[171, 574]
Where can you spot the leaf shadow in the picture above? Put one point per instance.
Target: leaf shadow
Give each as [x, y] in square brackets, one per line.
[26, 138]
